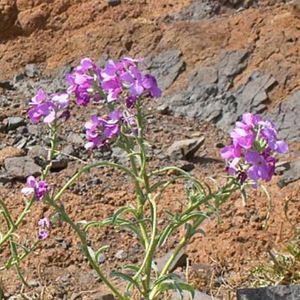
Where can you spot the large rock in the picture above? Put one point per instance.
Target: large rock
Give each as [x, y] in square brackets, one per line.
[166, 67]
[279, 292]
[187, 296]
[8, 152]
[209, 95]
[286, 117]
[179, 261]
[291, 174]
[185, 149]
[21, 167]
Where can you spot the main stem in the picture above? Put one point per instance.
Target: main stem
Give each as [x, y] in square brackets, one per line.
[85, 249]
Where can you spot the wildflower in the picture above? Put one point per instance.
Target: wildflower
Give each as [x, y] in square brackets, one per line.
[48, 108]
[82, 80]
[125, 77]
[99, 131]
[251, 154]
[261, 167]
[38, 188]
[44, 226]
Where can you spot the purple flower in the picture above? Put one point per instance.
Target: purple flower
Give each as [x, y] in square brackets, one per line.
[251, 154]
[82, 80]
[38, 188]
[260, 167]
[48, 108]
[124, 77]
[230, 152]
[44, 225]
[100, 131]
[269, 134]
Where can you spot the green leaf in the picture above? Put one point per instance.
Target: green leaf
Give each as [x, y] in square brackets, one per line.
[194, 214]
[99, 251]
[172, 282]
[91, 252]
[120, 211]
[132, 267]
[127, 278]
[165, 235]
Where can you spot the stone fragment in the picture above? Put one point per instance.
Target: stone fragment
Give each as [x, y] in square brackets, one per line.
[185, 149]
[101, 259]
[278, 292]
[14, 122]
[187, 296]
[59, 163]
[21, 167]
[31, 70]
[75, 138]
[101, 296]
[37, 151]
[6, 85]
[10, 152]
[179, 261]
[281, 167]
[121, 254]
[286, 117]
[291, 174]
[197, 10]
[166, 67]
[113, 2]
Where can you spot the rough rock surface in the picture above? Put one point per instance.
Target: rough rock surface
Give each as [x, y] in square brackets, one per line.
[21, 167]
[166, 67]
[279, 292]
[291, 174]
[286, 117]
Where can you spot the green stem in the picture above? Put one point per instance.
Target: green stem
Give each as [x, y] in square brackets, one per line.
[19, 220]
[85, 249]
[54, 142]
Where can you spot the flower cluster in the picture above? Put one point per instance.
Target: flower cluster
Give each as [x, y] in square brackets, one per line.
[82, 82]
[38, 188]
[121, 79]
[124, 78]
[44, 226]
[99, 131]
[48, 108]
[251, 154]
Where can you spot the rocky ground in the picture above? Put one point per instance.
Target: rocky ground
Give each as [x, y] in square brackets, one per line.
[214, 60]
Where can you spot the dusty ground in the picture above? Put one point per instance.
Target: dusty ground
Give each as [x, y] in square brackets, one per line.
[53, 33]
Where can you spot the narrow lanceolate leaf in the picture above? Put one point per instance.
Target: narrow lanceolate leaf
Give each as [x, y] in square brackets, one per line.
[99, 252]
[131, 267]
[174, 284]
[194, 214]
[127, 278]
[165, 235]
[121, 211]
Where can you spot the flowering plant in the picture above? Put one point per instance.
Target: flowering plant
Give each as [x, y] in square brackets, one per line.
[121, 88]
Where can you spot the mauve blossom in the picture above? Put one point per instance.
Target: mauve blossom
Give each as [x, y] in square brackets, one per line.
[44, 225]
[81, 81]
[100, 131]
[251, 154]
[47, 108]
[38, 188]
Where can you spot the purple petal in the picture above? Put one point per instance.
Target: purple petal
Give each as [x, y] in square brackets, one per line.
[282, 147]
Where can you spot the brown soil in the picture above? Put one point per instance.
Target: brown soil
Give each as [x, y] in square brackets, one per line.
[55, 32]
